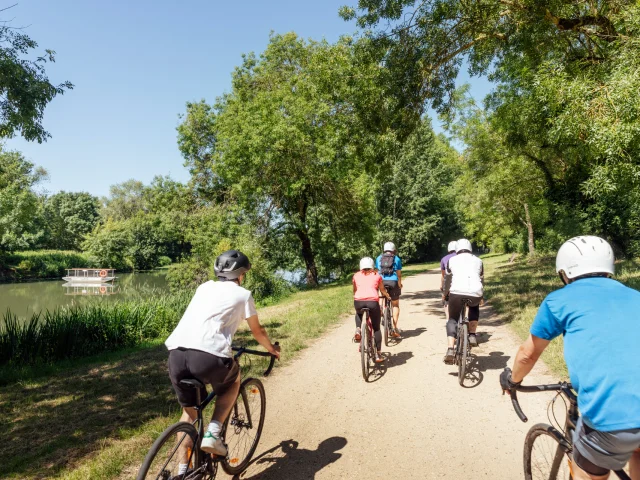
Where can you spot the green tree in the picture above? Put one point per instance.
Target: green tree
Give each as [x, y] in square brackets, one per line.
[68, 217]
[125, 200]
[25, 89]
[415, 199]
[290, 138]
[18, 202]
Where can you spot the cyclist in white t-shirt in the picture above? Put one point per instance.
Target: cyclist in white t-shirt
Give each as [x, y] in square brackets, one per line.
[466, 280]
[200, 346]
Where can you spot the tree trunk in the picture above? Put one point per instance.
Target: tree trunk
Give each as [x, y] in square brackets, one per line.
[309, 258]
[529, 229]
[307, 252]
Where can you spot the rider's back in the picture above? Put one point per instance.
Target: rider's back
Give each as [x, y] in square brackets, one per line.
[467, 271]
[598, 319]
[212, 318]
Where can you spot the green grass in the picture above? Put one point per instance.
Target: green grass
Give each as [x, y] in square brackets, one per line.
[515, 290]
[39, 264]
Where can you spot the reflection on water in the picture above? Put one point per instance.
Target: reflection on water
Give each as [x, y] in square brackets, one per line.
[24, 299]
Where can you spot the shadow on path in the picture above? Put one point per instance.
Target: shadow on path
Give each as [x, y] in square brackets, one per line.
[287, 461]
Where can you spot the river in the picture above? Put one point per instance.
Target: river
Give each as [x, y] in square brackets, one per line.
[27, 298]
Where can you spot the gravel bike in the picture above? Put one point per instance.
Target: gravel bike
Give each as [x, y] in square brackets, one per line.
[367, 345]
[548, 448]
[240, 432]
[387, 321]
[461, 346]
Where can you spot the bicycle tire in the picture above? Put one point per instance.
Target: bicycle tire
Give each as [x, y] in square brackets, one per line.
[364, 350]
[537, 470]
[242, 410]
[386, 321]
[464, 352]
[169, 433]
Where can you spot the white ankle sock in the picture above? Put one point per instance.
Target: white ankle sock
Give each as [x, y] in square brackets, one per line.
[214, 428]
[182, 468]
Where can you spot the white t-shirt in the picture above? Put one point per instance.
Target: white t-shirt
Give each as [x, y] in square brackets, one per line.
[212, 318]
[467, 271]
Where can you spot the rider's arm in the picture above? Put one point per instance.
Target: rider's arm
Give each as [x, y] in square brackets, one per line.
[527, 356]
[399, 272]
[353, 281]
[260, 334]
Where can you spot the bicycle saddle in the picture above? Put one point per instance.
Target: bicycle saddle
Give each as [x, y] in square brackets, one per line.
[191, 382]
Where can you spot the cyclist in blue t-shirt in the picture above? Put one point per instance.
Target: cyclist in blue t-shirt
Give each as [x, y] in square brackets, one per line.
[596, 315]
[390, 267]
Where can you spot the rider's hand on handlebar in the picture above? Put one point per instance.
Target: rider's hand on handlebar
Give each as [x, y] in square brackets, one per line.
[506, 383]
[275, 351]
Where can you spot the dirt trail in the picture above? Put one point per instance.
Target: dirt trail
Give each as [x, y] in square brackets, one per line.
[415, 422]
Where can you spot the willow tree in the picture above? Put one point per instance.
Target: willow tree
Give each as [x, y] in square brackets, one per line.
[291, 137]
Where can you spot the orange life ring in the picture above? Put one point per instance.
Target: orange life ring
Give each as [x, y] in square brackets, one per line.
[103, 289]
[103, 273]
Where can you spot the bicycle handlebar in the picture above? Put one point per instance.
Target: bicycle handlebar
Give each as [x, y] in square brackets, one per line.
[243, 350]
[534, 388]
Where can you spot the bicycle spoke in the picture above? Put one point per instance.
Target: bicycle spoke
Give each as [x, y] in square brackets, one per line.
[548, 460]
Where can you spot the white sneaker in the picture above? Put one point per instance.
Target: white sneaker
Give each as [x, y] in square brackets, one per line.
[214, 445]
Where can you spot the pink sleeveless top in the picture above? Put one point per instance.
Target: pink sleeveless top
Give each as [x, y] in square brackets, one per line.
[366, 286]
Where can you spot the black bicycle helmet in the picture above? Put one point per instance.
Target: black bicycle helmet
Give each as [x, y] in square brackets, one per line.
[231, 264]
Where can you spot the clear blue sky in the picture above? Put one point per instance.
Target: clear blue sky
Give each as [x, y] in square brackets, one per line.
[135, 63]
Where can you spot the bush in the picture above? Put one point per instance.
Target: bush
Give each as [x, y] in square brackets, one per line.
[40, 264]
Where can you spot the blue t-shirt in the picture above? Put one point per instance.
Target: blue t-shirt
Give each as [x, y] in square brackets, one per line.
[598, 318]
[397, 265]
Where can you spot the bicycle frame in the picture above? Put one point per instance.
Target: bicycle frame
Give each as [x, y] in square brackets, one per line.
[199, 423]
[565, 439]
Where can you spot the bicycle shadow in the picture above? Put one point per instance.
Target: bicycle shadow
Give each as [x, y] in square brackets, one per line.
[287, 461]
[409, 334]
[476, 365]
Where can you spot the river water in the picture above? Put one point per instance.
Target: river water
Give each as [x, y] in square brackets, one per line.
[27, 298]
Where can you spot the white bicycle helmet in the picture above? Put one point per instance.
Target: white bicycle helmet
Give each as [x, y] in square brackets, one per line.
[452, 246]
[367, 262]
[389, 247]
[463, 244]
[585, 255]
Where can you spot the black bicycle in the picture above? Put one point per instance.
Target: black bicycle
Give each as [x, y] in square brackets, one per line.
[548, 448]
[387, 321]
[461, 346]
[240, 432]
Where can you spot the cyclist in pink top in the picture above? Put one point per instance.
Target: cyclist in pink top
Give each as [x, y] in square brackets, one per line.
[366, 285]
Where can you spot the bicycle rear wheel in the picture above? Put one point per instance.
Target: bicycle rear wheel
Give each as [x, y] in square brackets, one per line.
[163, 458]
[463, 347]
[544, 457]
[386, 321]
[364, 348]
[243, 428]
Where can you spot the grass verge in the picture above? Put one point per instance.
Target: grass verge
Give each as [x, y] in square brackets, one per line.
[515, 290]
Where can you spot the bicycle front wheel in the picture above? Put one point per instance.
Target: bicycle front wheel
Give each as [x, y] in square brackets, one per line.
[162, 460]
[243, 428]
[463, 345]
[545, 458]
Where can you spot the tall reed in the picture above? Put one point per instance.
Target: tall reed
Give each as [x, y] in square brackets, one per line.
[71, 332]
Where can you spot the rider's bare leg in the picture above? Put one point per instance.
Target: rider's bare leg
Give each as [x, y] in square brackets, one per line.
[579, 474]
[473, 326]
[634, 465]
[224, 402]
[188, 415]
[396, 312]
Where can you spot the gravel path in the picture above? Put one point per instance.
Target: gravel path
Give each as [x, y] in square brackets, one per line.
[414, 422]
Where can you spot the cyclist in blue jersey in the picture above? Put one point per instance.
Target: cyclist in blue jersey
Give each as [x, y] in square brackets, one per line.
[390, 267]
[596, 316]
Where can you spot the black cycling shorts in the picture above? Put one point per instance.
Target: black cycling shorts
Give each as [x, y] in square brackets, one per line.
[392, 288]
[219, 372]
